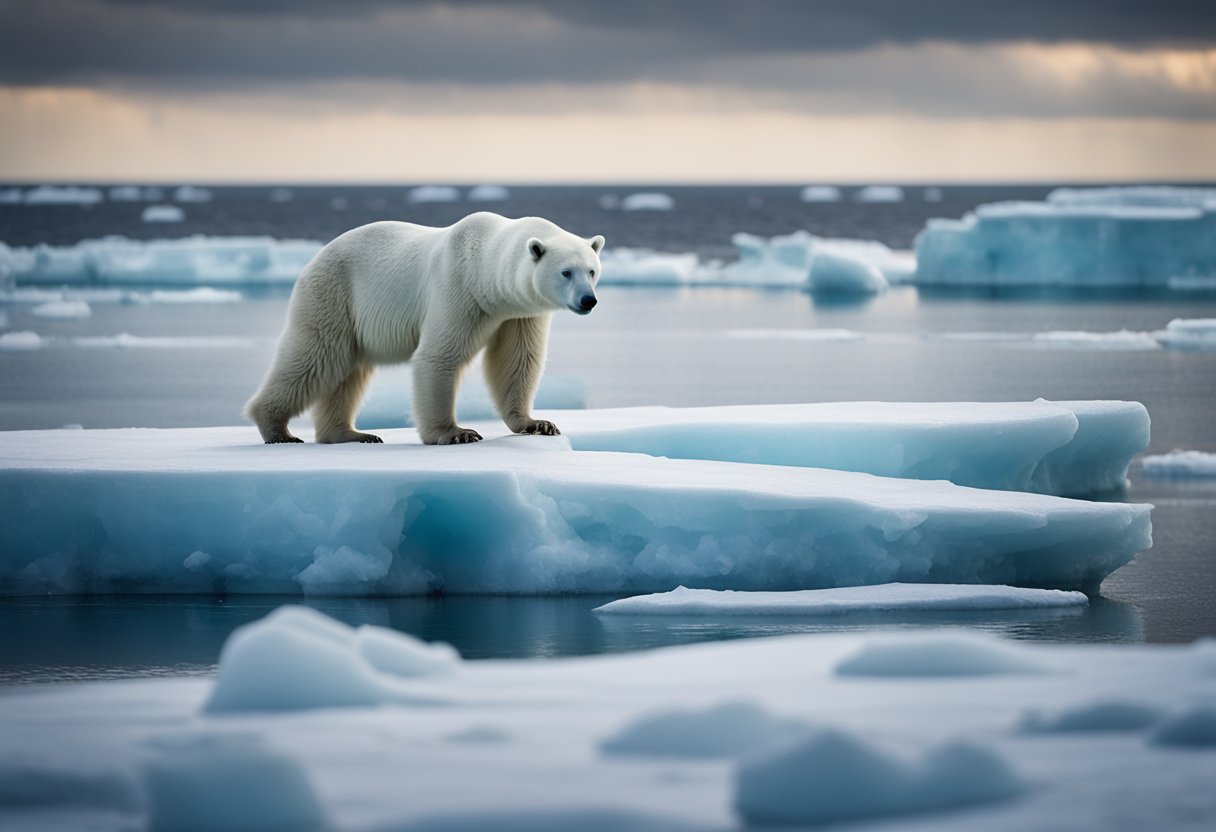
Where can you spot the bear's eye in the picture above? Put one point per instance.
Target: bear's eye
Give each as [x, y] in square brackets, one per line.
[593, 272]
[567, 273]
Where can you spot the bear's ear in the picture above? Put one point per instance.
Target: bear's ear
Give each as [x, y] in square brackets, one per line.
[597, 243]
[536, 248]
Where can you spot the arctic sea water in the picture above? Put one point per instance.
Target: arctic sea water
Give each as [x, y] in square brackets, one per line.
[678, 347]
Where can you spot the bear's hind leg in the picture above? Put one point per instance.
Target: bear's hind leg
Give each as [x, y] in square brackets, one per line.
[303, 370]
[335, 413]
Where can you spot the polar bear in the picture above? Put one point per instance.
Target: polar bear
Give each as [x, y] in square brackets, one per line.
[391, 292]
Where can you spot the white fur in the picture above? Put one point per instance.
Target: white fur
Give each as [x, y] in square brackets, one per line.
[391, 292]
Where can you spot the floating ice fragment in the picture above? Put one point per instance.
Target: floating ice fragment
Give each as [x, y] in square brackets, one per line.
[163, 213]
[880, 193]
[488, 193]
[432, 193]
[625, 266]
[648, 201]
[190, 193]
[1191, 334]
[20, 341]
[820, 193]
[62, 195]
[832, 273]
[1180, 464]
[63, 310]
[1121, 340]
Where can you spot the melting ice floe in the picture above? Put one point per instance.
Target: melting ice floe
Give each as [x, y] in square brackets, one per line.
[394, 518]
[1180, 464]
[648, 201]
[433, 193]
[947, 752]
[819, 602]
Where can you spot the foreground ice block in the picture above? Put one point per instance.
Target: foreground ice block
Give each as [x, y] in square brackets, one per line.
[1109, 238]
[211, 509]
[1062, 448]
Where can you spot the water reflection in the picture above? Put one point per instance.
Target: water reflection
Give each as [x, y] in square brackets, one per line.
[78, 639]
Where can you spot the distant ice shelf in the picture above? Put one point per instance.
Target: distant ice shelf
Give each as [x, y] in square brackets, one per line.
[1062, 448]
[210, 509]
[839, 601]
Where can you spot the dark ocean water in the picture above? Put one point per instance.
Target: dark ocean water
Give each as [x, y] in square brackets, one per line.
[641, 346]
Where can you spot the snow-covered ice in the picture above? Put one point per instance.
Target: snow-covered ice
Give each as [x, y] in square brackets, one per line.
[163, 213]
[201, 294]
[942, 655]
[844, 274]
[24, 341]
[62, 195]
[836, 775]
[1117, 237]
[1063, 448]
[820, 193]
[1190, 334]
[63, 310]
[122, 510]
[432, 193]
[1121, 340]
[1180, 464]
[626, 266]
[943, 753]
[488, 193]
[648, 201]
[730, 729]
[787, 260]
[880, 193]
[818, 602]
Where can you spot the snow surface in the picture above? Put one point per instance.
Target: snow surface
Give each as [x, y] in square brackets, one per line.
[433, 193]
[488, 193]
[878, 598]
[1106, 237]
[163, 213]
[837, 776]
[1063, 448]
[820, 193]
[727, 730]
[943, 655]
[935, 753]
[1197, 334]
[121, 510]
[647, 201]
[63, 310]
[1181, 464]
[188, 260]
[880, 193]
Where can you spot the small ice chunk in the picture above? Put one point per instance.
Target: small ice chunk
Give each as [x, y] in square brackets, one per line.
[726, 730]
[836, 776]
[820, 193]
[1190, 334]
[1121, 340]
[232, 782]
[163, 213]
[880, 193]
[651, 268]
[488, 193]
[1103, 715]
[63, 310]
[432, 193]
[1180, 464]
[62, 195]
[818, 602]
[203, 294]
[196, 560]
[835, 273]
[126, 193]
[1193, 727]
[939, 655]
[21, 341]
[189, 193]
[648, 201]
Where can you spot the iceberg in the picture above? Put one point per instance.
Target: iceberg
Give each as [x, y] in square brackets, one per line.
[1129, 238]
[188, 260]
[163, 213]
[432, 193]
[626, 266]
[647, 202]
[820, 193]
[844, 274]
[880, 193]
[1189, 334]
[1180, 464]
[488, 193]
[124, 510]
[787, 260]
[1063, 448]
[816, 602]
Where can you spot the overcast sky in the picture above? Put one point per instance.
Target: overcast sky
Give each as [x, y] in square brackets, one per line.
[614, 90]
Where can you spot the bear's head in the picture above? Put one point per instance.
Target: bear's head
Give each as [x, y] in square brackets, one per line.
[566, 270]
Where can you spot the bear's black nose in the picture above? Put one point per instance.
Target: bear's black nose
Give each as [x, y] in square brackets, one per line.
[587, 303]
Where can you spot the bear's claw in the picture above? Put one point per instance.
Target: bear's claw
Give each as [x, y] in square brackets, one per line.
[284, 440]
[541, 427]
[463, 436]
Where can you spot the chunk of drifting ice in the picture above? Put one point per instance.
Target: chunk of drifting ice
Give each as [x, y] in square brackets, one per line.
[626, 266]
[1114, 239]
[939, 655]
[162, 213]
[844, 274]
[884, 598]
[1065, 448]
[1193, 727]
[297, 658]
[1197, 334]
[880, 193]
[62, 195]
[786, 260]
[1121, 340]
[582, 819]
[1181, 464]
[127, 341]
[726, 730]
[836, 776]
[63, 310]
[1142, 195]
[432, 193]
[820, 193]
[547, 519]
[231, 782]
[488, 193]
[1110, 715]
[203, 294]
[648, 202]
[190, 193]
[20, 341]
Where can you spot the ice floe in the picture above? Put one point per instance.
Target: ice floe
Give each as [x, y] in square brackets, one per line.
[820, 193]
[647, 201]
[1121, 340]
[818, 602]
[1189, 334]
[63, 310]
[191, 193]
[1191, 727]
[62, 195]
[163, 213]
[1180, 464]
[1107, 237]
[1062, 448]
[880, 193]
[788, 260]
[24, 341]
[844, 274]
[626, 266]
[488, 193]
[432, 193]
[130, 506]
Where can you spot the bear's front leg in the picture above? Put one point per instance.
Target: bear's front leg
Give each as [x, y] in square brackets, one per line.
[436, 379]
[514, 360]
